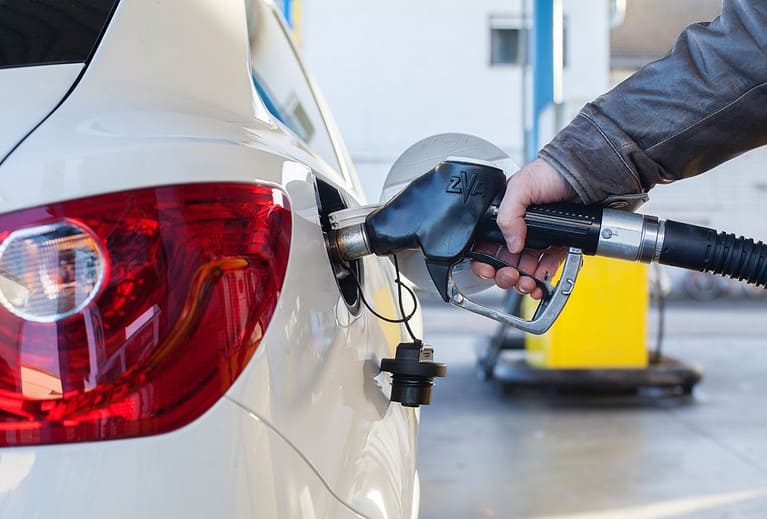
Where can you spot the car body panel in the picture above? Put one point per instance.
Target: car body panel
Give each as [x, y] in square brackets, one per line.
[29, 95]
[147, 113]
[242, 470]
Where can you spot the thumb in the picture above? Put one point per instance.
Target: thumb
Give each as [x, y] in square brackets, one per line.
[511, 213]
[536, 183]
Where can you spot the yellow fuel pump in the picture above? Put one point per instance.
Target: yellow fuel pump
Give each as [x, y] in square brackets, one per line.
[603, 325]
[599, 341]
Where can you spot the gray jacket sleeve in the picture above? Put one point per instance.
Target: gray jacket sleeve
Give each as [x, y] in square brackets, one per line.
[702, 104]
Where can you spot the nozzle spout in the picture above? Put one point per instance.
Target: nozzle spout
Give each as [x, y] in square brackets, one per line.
[349, 243]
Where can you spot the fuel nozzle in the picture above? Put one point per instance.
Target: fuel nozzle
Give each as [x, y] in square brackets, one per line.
[437, 213]
[413, 371]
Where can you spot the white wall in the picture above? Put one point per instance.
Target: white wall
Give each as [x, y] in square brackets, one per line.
[731, 197]
[394, 72]
[588, 32]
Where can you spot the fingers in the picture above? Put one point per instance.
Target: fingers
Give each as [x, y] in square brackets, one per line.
[480, 269]
[547, 266]
[506, 277]
[539, 265]
[528, 263]
[550, 263]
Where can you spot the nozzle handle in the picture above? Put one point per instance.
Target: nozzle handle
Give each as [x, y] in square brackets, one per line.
[551, 225]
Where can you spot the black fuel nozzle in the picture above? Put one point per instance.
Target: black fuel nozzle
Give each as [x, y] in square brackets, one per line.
[437, 213]
[413, 373]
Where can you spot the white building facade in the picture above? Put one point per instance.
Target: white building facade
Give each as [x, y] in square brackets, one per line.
[395, 72]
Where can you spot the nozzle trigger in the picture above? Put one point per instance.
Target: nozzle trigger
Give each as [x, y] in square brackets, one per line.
[548, 310]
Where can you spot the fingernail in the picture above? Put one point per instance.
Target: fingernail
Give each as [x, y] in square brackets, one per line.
[485, 277]
[513, 244]
[522, 290]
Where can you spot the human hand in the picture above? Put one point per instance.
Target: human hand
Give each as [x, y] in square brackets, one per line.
[536, 183]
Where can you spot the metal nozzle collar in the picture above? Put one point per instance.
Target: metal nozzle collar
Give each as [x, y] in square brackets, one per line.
[630, 236]
[349, 243]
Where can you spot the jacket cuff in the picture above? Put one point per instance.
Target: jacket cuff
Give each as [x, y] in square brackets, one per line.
[598, 159]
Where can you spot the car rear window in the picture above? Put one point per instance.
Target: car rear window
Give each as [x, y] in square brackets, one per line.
[43, 32]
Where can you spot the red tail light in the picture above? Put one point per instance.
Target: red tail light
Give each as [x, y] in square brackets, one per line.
[191, 276]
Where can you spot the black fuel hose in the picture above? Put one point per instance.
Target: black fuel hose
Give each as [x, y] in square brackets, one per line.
[706, 250]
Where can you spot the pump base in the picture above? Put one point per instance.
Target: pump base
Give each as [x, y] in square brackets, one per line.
[667, 374]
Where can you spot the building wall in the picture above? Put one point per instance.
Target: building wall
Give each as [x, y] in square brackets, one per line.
[650, 28]
[395, 72]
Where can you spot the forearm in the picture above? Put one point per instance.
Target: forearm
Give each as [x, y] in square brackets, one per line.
[702, 104]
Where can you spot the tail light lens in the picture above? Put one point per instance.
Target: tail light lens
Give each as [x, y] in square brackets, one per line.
[132, 313]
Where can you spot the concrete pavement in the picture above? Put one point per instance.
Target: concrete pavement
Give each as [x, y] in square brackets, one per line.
[486, 454]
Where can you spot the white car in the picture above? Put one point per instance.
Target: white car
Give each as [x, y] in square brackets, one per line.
[174, 341]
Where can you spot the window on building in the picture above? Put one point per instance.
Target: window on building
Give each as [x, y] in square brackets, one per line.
[508, 41]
